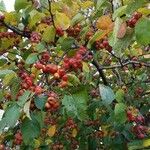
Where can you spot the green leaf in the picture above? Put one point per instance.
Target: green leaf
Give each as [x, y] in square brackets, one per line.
[120, 95]
[5, 72]
[15, 86]
[75, 105]
[139, 144]
[10, 117]
[73, 79]
[58, 20]
[107, 94]
[94, 38]
[40, 47]
[141, 31]
[2, 61]
[119, 12]
[8, 78]
[49, 34]
[22, 99]
[85, 67]
[39, 117]
[35, 17]
[2, 6]
[32, 58]
[26, 109]
[134, 5]
[30, 129]
[21, 4]
[40, 101]
[76, 19]
[120, 112]
[67, 43]
[99, 4]
[119, 45]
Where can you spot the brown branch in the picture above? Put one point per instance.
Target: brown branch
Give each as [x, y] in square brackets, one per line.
[100, 70]
[16, 30]
[126, 64]
[50, 11]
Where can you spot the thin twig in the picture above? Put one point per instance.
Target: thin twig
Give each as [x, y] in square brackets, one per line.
[125, 64]
[50, 11]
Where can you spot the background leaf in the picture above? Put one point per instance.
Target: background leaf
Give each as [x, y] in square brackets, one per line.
[30, 129]
[107, 94]
[141, 31]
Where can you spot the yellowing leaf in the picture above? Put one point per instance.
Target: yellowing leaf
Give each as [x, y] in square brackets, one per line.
[49, 34]
[122, 30]
[146, 143]
[85, 67]
[145, 11]
[104, 22]
[51, 131]
[26, 109]
[41, 27]
[87, 4]
[62, 20]
[11, 18]
[74, 132]
[37, 143]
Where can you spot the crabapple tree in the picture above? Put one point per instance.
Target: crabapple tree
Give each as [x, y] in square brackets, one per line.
[75, 75]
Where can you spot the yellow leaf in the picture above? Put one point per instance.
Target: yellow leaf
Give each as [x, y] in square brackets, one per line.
[146, 143]
[85, 67]
[87, 4]
[11, 18]
[41, 27]
[62, 20]
[37, 143]
[51, 131]
[104, 22]
[144, 11]
[74, 132]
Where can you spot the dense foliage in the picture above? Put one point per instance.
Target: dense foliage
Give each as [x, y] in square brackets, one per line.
[75, 74]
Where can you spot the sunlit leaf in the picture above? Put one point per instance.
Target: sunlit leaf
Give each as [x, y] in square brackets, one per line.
[63, 24]
[51, 131]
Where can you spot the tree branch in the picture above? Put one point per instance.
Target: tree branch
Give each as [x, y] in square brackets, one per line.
[50, 11]
[16, 30]
[100, 70]
[125, 64]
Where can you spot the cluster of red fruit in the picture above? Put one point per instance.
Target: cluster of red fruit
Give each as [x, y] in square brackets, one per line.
[18, 138]
[75, 62]
[103, 44]
[47, 20]
[8, 35]
[89, 35]
[139, 91]
[2, 17]
[35, 37]
[52, 103]
[139, 130]
[28, 84]
[57, 146]
[74, 31]
[2, 147]
[59, 31]
[58, 73]
[134, 19]
[92, 123]
[70, 124]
